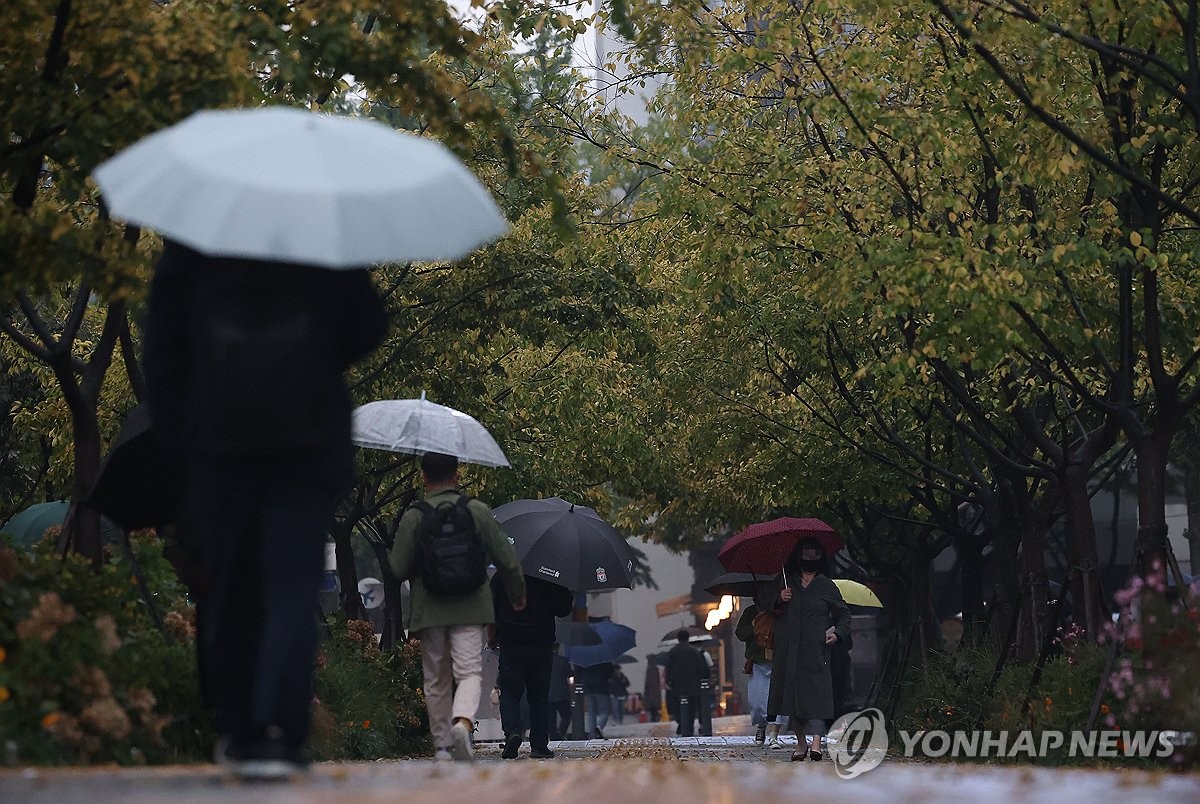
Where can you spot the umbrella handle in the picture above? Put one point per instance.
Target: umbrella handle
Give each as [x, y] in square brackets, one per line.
[784, 571]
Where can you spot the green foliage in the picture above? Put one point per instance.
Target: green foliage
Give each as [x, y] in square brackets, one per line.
[949, 692]
[370, 704]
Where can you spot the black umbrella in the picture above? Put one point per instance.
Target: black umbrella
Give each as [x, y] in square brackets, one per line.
[738, 584]
[139, 485]
[696, 636]
[570, 632]
[567, 544]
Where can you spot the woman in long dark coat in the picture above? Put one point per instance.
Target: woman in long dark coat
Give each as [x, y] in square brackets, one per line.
[810, 617]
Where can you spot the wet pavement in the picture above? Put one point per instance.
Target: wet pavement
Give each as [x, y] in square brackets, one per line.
[637, 764]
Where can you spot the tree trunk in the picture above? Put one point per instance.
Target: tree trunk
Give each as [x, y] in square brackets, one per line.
[81, 530]
[1086, 593]
[1005, 579]
[1036, 589]
[970, 557]
[348, 597]
[928, 632]
[1151, 450]
[1191, 486]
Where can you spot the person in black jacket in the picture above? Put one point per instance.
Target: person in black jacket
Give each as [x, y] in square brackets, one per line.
[594, 680]
[618, 687]
[560, 695]
[525, 640]
[685, 668]
[244, 365]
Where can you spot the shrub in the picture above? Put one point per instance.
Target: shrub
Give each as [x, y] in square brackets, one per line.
[1156, 682]
[84, 675]
[87, 677]
[949, 692]
[369, 704]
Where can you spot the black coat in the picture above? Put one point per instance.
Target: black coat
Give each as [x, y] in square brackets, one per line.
[595, 678]
[685, 668]
[560, 679]
[534, 624]
[347, 317]
[801, 681]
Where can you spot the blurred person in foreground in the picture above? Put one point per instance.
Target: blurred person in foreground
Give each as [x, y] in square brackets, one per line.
[244, 365]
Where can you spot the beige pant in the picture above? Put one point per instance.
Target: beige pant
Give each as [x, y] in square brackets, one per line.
[452, 659]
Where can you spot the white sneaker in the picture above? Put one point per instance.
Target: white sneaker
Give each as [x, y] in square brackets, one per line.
[460, 743]
[442, 755]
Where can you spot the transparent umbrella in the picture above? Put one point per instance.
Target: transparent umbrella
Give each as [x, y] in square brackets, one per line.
[417, 426]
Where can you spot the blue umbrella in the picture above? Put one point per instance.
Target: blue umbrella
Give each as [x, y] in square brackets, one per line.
[615, 641]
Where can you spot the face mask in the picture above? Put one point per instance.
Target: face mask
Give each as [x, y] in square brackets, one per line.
[810, 564]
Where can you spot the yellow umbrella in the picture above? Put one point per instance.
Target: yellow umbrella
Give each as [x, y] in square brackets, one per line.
[857, 594]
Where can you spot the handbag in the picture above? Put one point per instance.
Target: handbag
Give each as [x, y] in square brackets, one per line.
[764, 630]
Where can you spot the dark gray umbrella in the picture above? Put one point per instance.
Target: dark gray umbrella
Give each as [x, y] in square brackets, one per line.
[567, 544]
[569, 632]
[139, 485]
[696, 636]
[738, 584]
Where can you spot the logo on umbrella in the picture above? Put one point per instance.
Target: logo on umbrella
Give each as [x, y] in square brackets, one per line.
[553, 573]
[601, 575]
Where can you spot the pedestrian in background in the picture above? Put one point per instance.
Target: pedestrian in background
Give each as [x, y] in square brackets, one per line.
[652, 697]
[685, 667]
[810, 617]
[560, 695]
[451, 628]
[596, 696]
[755, 629]
[525, 641]
[244, 366]
[618, 687]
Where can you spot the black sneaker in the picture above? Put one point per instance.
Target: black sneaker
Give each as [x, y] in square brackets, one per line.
[541, 753]
[511, 744]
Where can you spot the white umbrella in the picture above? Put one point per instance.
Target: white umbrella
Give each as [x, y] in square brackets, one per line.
[285, 184]
[418, 426]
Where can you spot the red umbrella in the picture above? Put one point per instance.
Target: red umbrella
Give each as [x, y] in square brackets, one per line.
[763, 547]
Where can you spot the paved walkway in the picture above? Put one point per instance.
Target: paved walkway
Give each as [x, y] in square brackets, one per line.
[636, 765]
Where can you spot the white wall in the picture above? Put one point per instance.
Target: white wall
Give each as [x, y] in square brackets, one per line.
[635, 607]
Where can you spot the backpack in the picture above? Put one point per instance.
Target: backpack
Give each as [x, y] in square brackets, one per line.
[264, 373]
[451, 558]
